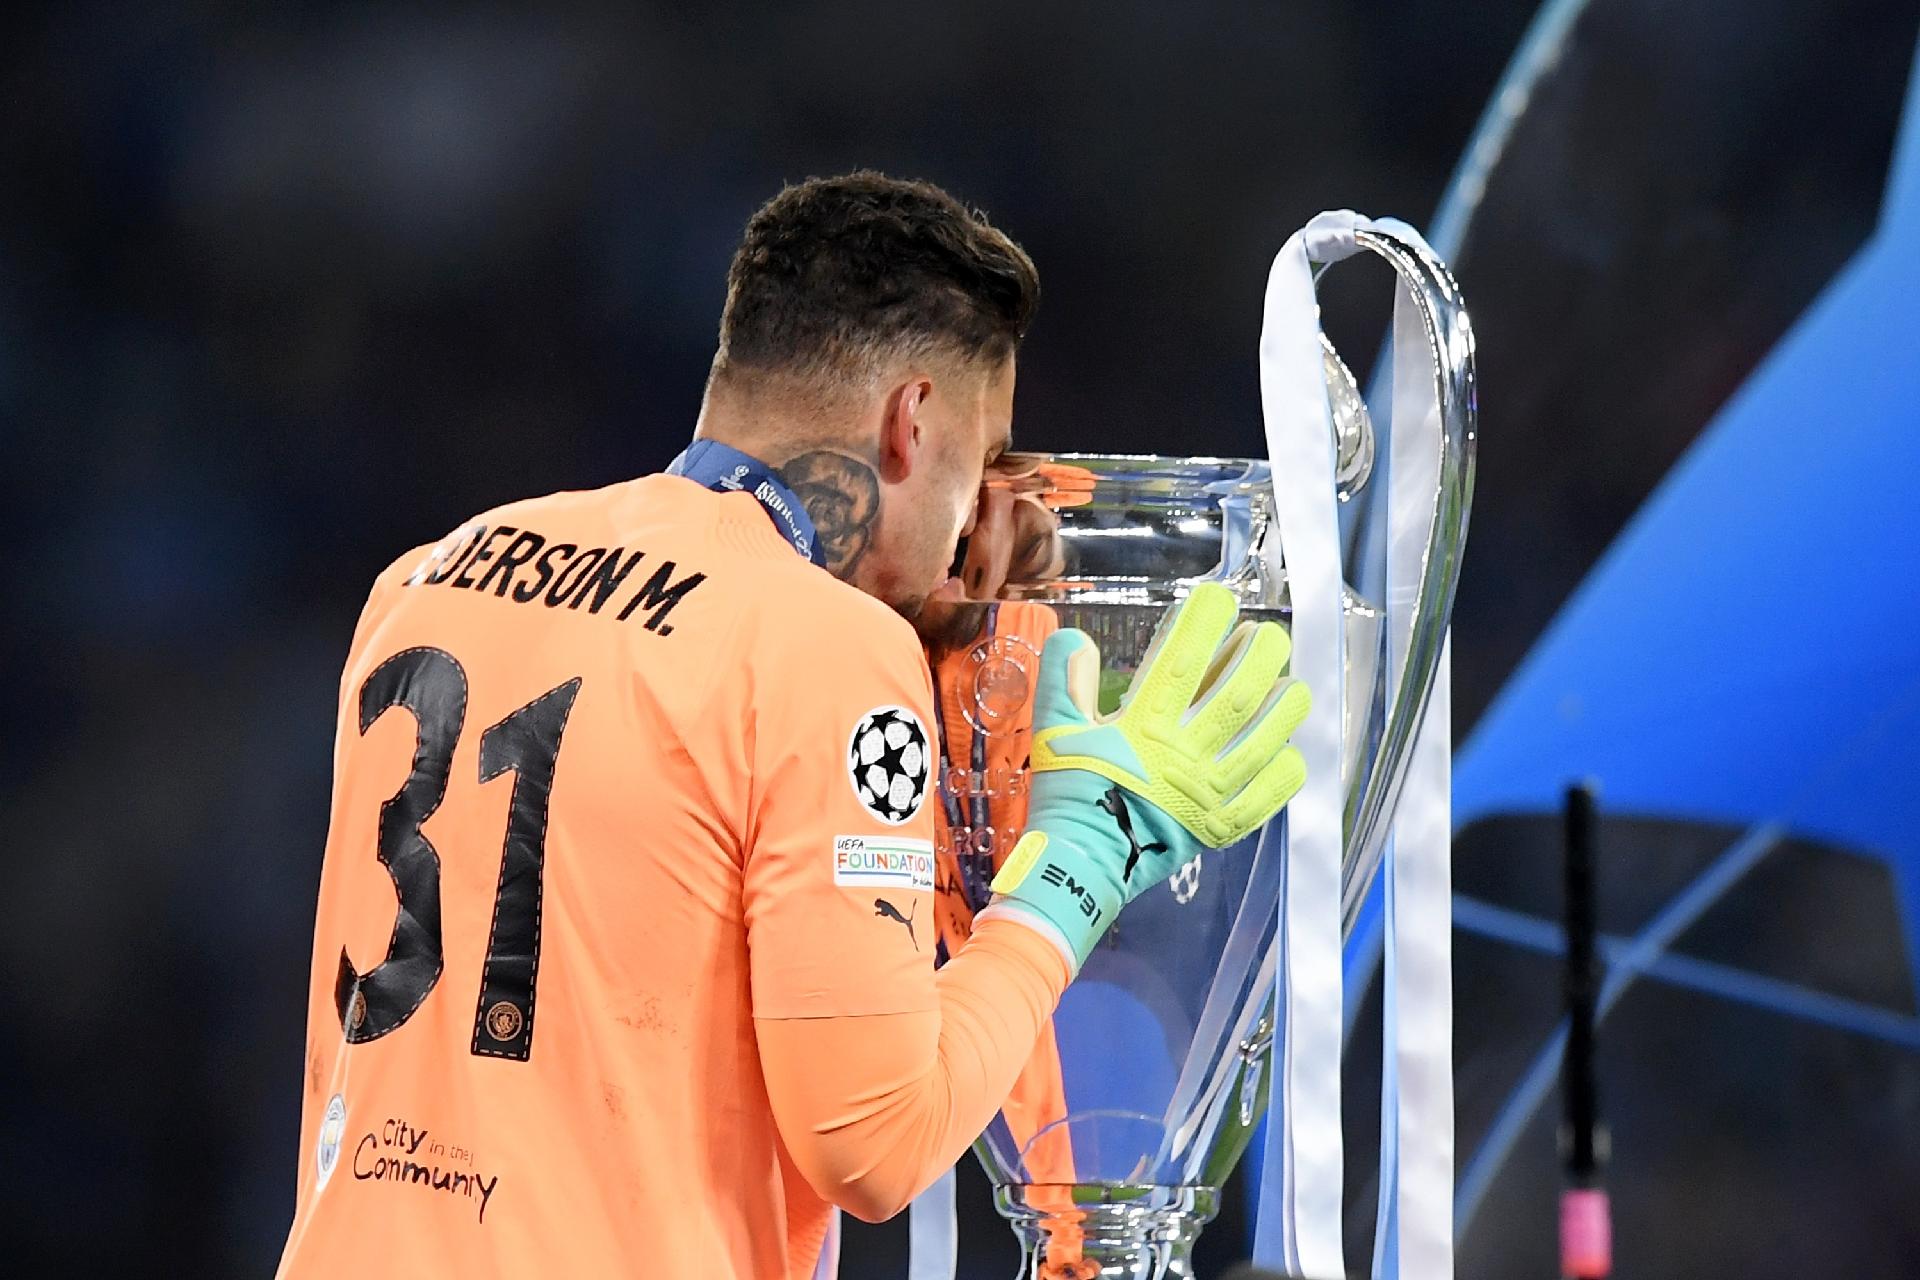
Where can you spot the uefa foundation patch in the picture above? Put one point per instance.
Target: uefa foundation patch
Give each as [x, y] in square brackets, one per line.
[889, 762]
[332, 1128]
[883, 862]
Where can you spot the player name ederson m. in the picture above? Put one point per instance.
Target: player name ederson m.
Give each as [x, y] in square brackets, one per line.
[532, 568]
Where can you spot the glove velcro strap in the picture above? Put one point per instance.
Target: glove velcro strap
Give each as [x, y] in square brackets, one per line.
[1019, 862]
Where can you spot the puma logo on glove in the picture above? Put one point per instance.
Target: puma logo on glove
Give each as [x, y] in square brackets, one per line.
[1197, 757]
[1115, 803]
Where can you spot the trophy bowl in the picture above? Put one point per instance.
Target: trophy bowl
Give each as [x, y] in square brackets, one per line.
[1110, 1151]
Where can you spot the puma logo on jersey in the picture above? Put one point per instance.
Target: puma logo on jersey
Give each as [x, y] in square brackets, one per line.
[881, 907]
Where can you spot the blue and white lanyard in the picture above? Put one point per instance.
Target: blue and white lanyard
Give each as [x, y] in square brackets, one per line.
[724, 469]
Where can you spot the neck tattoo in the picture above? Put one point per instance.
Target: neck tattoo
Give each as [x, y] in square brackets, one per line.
[842, 495]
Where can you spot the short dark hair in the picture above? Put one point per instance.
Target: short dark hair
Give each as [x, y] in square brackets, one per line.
[836, 274]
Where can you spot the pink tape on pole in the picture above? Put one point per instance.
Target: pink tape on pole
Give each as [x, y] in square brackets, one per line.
[1586, 1235]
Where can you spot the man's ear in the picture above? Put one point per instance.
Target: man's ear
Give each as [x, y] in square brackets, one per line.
[903, 430]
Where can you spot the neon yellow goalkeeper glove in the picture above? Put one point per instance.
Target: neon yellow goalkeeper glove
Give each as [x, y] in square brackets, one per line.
[1196, 757]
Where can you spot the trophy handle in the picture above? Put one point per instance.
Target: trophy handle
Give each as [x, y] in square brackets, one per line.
[1450, 342]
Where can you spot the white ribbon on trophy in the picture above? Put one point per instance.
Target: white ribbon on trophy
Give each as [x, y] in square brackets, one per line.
[1414, 1239]
[1299, 1227]
[1302, 1173]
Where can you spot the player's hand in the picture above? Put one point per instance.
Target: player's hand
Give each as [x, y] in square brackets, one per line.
[1196, 757]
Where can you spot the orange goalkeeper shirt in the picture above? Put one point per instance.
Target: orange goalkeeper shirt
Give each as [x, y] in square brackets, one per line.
[623, 957]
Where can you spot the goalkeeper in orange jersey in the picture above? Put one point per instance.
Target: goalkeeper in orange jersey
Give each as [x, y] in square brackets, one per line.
[623, 962]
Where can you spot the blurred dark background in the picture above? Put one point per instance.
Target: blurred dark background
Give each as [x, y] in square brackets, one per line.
[286, 289]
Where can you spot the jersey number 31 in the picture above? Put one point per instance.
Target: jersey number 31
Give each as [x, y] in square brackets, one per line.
[432, 685]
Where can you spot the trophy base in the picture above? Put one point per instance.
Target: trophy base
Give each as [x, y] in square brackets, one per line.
[1106, 1232]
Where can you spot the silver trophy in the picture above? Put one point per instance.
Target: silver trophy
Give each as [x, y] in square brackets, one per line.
[1109, 1155]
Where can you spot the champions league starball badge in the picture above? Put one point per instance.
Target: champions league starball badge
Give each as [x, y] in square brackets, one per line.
[996, 682]
[889, 762]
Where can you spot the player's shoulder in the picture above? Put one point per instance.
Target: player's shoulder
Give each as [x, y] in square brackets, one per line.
[814, 587]
[812, 616]
[836, 662]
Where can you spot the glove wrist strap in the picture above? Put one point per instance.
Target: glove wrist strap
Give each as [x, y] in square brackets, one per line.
[1052, 877]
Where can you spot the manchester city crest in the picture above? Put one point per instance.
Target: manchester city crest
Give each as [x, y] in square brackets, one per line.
[333, 1127]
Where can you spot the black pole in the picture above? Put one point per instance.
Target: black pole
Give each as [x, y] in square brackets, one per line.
[1586, 1245]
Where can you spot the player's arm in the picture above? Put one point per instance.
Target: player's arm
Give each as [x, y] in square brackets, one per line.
[879, 1072]
[874, 1108]
[881, 1075]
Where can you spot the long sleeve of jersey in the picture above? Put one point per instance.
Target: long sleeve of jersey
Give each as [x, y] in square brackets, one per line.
[879, 1071]
[874, 1108]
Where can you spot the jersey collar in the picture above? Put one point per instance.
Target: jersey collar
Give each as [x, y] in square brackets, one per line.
[725, 469]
